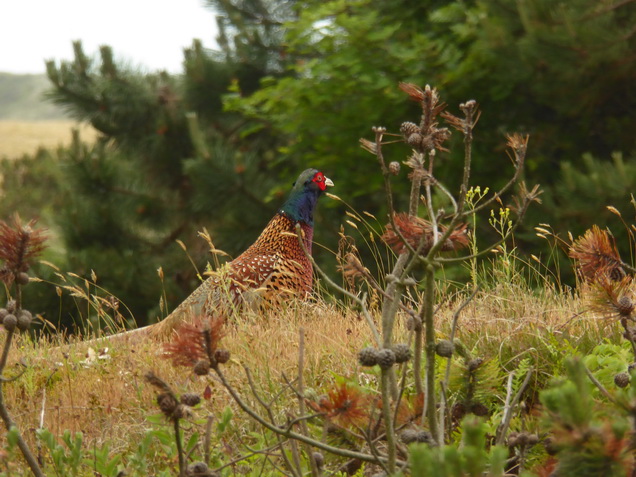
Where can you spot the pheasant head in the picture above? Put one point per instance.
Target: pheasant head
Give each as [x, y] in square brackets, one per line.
[301, 202]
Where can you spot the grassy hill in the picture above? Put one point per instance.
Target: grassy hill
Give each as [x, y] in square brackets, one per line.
[22, 98]
[28, 121]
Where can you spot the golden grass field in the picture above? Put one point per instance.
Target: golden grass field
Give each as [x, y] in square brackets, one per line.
[24, 137]
[102, 391]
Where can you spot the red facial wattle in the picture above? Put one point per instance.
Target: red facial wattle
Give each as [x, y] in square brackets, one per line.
[321, 181]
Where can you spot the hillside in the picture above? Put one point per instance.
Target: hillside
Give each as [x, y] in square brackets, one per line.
[22, 98]
[28, 121]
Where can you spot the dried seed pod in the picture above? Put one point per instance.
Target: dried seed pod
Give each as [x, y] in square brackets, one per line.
[386, 358]
[444, 348]
[167, 403]
[622, 380]
[625, 306]
[402, 352]
[12, 306]
[22, 278]
[415, 140]
[394, 168]
[9, 322]
[368, 357]
[202, 367]
[190, 399]
[407, 128]
[24, 320]
[222, 356]
[513, 440]
[533, 439]
[473, 364]
[3, 313]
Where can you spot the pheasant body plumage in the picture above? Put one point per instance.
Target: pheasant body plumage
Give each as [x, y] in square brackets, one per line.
[274, 268]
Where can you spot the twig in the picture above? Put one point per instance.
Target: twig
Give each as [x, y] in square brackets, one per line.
[510, 405]
[248, 456]
[270, 414]
[207, 442]
[180, 453]
[452, 340]
[605, 392]
[289, 433]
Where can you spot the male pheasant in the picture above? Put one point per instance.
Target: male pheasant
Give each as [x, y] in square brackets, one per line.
[273, 268]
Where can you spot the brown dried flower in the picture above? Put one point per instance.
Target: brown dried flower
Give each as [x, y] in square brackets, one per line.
[596, 256]
[369, 146]
[416, 229]
[429, 136]
[19, 245]
[344, 405]
[611, 297]
[196, 341]
[415, 92]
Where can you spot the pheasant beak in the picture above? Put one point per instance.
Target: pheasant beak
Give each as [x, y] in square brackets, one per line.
[328, 182]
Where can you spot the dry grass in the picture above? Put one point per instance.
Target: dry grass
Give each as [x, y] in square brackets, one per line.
[107, 398]
[25, 137]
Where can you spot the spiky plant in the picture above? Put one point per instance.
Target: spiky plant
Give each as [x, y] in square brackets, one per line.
[20, 244]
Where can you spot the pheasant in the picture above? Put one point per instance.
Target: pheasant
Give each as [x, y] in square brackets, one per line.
[272, 269]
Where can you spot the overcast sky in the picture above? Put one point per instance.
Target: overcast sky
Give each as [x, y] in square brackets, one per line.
[150, 34]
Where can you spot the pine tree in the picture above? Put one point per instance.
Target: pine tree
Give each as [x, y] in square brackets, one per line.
[167, 164]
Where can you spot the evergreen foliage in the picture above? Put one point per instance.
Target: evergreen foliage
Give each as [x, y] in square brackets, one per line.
[160, 172]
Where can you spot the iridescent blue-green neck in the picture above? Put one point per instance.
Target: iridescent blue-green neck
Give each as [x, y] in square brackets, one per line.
[302, 200]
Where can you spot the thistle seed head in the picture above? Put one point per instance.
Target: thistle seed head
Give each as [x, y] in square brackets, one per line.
[167, 403]
[407, 128]
[24, 320]
[473, 364]
[386, 358]
[9, 322]
[190, 399]
[402, 352]
[444, 348]
[622, 380]
[415, 140]
[202, 367]
[368, 356]
[625, 306]
[222, 356]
